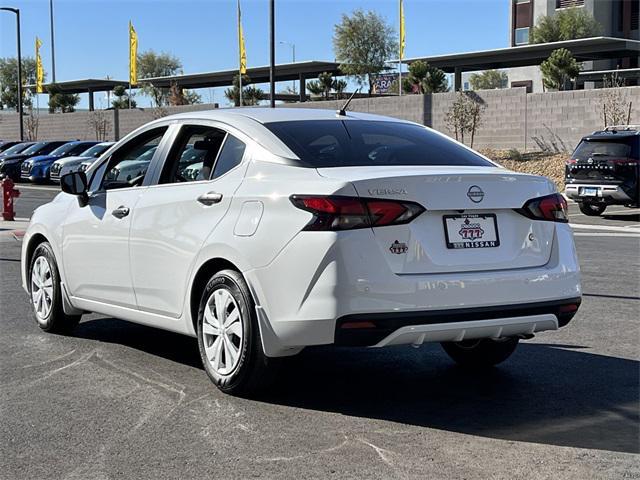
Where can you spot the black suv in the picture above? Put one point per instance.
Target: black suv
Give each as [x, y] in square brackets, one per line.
[605, 170]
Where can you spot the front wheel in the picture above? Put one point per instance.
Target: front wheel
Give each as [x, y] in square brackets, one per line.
[229, 337]
[592, 209]
[481, 353]
[46, 292]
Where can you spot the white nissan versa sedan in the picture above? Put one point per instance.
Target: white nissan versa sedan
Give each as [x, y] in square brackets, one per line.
[305, 227]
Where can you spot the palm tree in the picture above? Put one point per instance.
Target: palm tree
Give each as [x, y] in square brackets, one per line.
[250, 95]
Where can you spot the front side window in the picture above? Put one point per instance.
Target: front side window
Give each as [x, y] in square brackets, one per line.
[348, 143]
[128, 165]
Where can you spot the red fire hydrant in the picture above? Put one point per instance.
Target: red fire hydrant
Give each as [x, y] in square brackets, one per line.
[8, 194]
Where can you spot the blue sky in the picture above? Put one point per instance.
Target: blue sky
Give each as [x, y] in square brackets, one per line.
[91, 35]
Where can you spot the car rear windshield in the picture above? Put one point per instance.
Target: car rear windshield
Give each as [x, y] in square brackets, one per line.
[605, 149]
[347, 143]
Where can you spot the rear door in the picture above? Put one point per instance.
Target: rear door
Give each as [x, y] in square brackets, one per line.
[177, 213]
[95, 248]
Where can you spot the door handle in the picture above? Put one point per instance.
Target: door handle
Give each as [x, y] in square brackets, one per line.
[120, 212]
[210, 198]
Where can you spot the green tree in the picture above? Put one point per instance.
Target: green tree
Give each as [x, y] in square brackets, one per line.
[567, 24]
[327, 87]
[152, 64]
[181, 96]
[362, 43]
[488, 80]
[250, 95]
[61, 102]
[559, 69]
[322, 87]
[423, 78]
[339, 86]
[9, 81]
[122, 98]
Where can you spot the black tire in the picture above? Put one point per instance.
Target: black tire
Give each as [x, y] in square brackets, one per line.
[592, 209]
[254, 371]
[481, 353]
[55, 320]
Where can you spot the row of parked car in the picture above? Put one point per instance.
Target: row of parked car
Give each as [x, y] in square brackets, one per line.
[44, 162]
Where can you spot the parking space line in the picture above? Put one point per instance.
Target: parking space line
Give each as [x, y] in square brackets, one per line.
[606, 234]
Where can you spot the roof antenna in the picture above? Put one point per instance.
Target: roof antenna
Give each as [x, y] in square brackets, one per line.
[343, 111]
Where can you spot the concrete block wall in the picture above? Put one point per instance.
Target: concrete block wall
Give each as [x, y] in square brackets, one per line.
[408, 107]
[565, 117]
[502, 123]
[512, 118]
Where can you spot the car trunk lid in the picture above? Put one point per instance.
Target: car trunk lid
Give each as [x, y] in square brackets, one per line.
[470, 222]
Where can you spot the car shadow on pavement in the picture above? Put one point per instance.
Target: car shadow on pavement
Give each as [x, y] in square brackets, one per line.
[628, 217]
[543, 394]
[552, 394]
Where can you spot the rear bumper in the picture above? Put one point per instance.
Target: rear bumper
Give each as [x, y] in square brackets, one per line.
[609, 194]
[450, 325]
[319, 279]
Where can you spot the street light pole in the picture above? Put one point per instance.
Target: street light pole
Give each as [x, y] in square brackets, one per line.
[17, 12]
[293, 55]
[272, 55]
[53, 47]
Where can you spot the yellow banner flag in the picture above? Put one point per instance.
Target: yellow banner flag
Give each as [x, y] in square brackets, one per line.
[401, 30]
[133, 55]
[39, 68]
[241, 49]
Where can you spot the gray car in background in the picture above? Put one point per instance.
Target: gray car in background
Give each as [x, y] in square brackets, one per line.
[71, 164]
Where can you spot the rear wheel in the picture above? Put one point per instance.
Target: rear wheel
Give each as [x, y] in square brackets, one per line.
[229, 337]
[592, 209]
[46, 292]
[480, 353]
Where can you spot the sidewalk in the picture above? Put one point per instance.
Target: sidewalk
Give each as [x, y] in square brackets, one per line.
[11, 231]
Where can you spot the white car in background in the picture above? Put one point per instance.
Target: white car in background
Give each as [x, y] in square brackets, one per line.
[311, 227]
[71, 164]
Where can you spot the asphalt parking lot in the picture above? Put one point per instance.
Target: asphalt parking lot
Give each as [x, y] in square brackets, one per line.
[119, 400]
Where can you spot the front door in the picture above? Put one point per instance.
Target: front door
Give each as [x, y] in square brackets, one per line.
[95, 247]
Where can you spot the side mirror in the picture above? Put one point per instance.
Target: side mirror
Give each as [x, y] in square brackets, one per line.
[75, 183]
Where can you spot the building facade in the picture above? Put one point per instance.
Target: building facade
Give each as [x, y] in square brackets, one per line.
[617, 18]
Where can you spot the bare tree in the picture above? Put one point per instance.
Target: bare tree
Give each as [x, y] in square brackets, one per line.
[614, 108]
[31, 124]
[465, 115]
[101, 125]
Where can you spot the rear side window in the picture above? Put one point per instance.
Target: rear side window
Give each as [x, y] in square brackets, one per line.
[339, 143]
[604, 149]
[230, 156]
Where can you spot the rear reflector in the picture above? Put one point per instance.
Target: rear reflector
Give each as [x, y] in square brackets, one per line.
[572, 307]
[552, 208]
[358, 324]
[335, 212]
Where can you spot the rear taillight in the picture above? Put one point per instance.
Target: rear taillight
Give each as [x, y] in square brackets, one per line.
[334, 212]
[551, 207]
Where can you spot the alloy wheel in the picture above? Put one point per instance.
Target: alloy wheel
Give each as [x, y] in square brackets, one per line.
[42, 288]
[223, 332]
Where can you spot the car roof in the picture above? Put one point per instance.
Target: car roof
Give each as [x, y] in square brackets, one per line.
[612, 134]
[282, 114]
